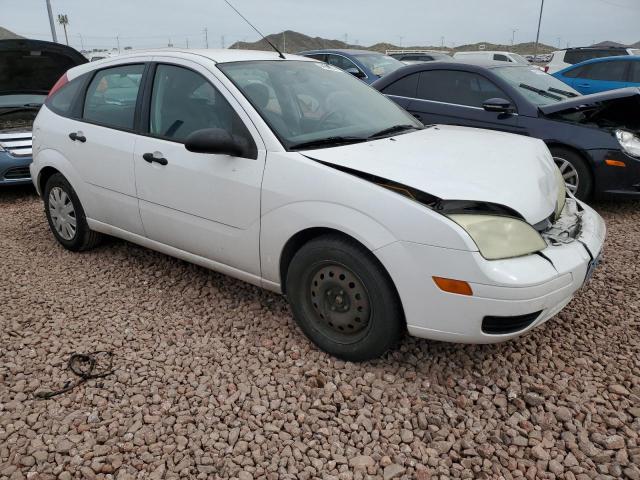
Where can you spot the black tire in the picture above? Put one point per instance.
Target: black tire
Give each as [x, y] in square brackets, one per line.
[368, 319]
[83, 237]
[584, 177]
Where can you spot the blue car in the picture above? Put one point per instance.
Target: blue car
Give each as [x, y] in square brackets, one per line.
[602, 74]
[366, 65]
[28, 70]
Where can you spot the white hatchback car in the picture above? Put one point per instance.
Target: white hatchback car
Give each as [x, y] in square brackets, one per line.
[295, 176]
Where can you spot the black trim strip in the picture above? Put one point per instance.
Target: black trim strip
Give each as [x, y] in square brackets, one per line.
[442, 206]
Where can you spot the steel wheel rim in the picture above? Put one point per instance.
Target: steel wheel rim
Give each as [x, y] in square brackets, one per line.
[63, 215]
[569, 173]
[340, 302]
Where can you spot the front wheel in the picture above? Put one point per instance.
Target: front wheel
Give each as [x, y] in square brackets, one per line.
[343, 300]
[66, 216]
[575, 172]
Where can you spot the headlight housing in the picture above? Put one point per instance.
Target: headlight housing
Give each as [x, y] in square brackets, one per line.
[500, 237]
[629, 142]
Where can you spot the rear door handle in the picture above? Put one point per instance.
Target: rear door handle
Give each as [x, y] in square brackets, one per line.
[77, 136]
[150, 157]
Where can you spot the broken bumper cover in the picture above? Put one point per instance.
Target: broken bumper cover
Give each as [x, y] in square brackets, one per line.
[533, 284]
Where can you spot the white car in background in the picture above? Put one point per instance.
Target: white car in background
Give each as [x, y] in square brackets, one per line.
[483, 55]
[295, 176]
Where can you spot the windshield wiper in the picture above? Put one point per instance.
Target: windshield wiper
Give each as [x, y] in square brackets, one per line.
[539, 91]
[323, 142]
[394, 129]
[563, 92]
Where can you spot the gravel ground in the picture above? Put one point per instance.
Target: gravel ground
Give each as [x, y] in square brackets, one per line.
[214, 380]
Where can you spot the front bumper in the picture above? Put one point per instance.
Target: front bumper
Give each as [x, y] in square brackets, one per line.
[615, 181]
[14, 170]
[541, 284]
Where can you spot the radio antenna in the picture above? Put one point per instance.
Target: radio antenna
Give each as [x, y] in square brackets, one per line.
[259, 33]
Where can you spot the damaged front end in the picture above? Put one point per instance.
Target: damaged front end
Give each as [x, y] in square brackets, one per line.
[613, 110]
[567, 227]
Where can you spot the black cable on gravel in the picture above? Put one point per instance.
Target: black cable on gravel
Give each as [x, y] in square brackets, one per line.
[82, 365]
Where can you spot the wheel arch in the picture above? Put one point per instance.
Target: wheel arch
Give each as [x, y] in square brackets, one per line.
[44, 175]
[580, 153]
[301, 238]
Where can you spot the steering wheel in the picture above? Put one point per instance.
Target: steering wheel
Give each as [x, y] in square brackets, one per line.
[336, 116]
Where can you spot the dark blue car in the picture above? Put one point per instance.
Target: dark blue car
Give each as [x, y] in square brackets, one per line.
[602, 74]
[28, 70]
[366, 65]
[594, 139]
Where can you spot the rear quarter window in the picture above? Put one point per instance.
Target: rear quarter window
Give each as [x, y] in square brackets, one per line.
[64, 101]
[403, 87]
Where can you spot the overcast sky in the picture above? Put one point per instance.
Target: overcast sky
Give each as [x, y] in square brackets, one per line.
[152, 23]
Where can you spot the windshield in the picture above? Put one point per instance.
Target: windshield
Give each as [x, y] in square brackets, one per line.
[20, 100]
[519, 59]
[379, 64]
[526, 80]
[305, 102]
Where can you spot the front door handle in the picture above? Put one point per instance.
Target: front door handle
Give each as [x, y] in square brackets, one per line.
[150, 157]
[77, 136]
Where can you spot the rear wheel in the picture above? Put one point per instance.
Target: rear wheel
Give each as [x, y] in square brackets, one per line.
[66, 216]
[343, 300]
[575, 172]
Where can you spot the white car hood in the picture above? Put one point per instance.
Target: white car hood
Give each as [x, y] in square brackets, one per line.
[459, 163]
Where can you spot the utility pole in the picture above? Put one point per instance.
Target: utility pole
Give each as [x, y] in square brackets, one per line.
[51, 24]
[513, 36]
[187, 42]
[221, 41]
[535, 51]
[81, 42]
[118, 42]
[206, 38]
[559, 42]
[64, 21]
[284, 41]
[442, 42]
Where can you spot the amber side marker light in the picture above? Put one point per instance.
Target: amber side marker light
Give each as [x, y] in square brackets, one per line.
[453, 286]
[615, 163]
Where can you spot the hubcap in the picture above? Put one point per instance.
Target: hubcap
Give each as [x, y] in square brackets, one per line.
[340, 300]
[569, 173]
[63, 215]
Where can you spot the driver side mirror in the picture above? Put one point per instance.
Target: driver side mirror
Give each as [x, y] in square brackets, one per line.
[498, 105]
[213, 140]
[356, 72]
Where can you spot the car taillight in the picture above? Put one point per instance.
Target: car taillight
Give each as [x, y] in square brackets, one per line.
[546, 69]
[62, 81]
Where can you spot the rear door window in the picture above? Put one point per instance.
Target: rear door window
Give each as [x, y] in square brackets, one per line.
[500, 58]
[613, 71]
[111, 96]
[404, 87]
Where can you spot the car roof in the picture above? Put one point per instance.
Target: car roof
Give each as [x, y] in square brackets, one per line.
[215, 55]
[347, 51]
[466, 66]
[613, 58]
